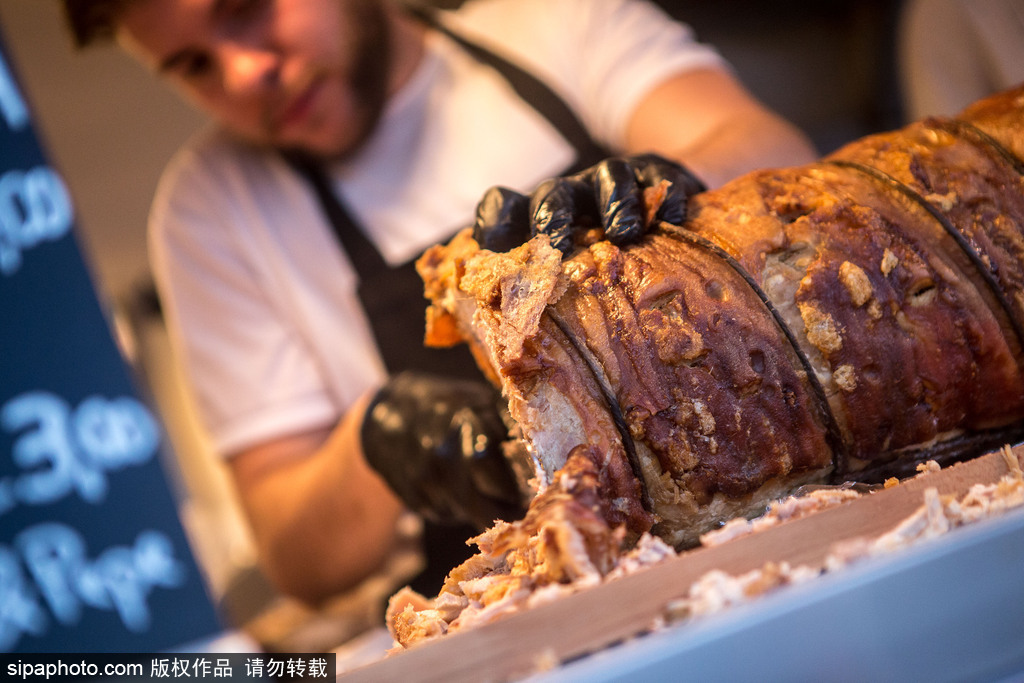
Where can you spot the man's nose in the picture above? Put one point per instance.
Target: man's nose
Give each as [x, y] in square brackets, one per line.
[248, 69]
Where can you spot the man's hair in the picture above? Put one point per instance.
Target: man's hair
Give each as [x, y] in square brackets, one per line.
[92, 20]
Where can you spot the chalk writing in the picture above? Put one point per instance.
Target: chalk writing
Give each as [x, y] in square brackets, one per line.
[64, 451]
[12, 107]
[34, 207]
[58, 574]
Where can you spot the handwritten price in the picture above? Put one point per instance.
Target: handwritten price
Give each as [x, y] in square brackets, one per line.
[34, 204]
[34, 207]
[65, 450]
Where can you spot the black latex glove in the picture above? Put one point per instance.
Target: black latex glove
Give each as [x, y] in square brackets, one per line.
[607, 195]
[437, 443]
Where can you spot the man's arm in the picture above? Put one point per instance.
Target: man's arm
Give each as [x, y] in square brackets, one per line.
[322, 518]
[707, 121]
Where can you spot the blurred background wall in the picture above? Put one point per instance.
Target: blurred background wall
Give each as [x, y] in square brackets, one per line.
[827, 65]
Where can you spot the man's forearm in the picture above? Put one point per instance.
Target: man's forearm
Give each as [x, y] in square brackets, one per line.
[710, 123]
[322, 519]
[746, 143]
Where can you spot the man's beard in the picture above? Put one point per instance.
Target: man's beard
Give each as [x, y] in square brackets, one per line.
[371, 68]
[369, 76]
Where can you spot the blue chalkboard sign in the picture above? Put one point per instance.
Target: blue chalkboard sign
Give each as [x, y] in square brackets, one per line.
[92, 554]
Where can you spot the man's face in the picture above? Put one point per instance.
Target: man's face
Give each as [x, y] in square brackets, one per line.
[295, 74]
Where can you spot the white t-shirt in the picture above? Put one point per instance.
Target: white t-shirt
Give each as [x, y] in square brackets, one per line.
[260, 299]
[954, 52]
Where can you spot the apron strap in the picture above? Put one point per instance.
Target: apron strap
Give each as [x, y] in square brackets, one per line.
[532, 90]
[365, 257]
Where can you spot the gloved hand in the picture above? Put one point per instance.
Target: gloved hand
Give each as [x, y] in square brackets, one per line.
[607, 195]
[437, 443]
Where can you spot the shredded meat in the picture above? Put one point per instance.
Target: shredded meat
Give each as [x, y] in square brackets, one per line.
[564, 544]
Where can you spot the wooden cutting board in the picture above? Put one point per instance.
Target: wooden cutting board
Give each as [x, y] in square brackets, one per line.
[597, 618]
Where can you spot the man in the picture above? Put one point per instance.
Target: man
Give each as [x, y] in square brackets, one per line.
[392, 124]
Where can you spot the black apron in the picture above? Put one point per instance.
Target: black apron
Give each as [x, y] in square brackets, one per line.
[392, 296]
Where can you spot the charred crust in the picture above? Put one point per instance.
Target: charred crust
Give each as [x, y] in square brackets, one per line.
[983, 269]
[832, 432]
